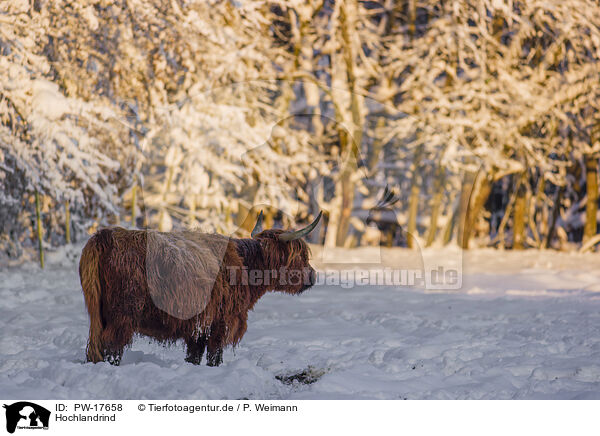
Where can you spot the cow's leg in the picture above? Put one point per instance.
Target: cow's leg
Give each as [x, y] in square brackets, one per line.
[195, 349]
[115, 337]
[95, 348]
[215, 344]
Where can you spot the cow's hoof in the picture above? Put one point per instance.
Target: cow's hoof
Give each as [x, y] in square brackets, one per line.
[114, 359]
[194, 360]
[214, 359]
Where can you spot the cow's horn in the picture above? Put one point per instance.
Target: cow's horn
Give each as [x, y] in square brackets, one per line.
[258, 226]
[297, 234]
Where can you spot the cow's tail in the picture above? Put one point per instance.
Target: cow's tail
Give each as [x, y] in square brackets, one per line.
[90, 283]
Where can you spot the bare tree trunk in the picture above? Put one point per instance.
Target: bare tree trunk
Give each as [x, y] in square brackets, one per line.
[345, 207]
[463, 207]
[555, 212]
[67, 222]
[507, 214]
[433, 220]
[559, 195]
[476, 203]
[40, 230]
[536, 206]
[346, 190]
[163, 210]
[519, 216]
[350, 154]
[334, 218]
[591, 210]
[413, 202]
[436, 205]
[315, 195]
[413, 209]
[449, 227]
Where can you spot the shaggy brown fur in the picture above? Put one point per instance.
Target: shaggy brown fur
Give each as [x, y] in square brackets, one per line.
[185, 285]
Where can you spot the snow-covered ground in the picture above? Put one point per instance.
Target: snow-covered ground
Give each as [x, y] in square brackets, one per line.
[524, 325]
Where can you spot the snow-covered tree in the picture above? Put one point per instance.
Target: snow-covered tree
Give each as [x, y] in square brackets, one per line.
[486, 83]
[62, 146]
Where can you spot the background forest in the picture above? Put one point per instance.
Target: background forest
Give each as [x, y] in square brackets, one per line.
[410, 123]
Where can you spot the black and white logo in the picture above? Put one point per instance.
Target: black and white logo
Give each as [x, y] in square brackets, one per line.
[26, 415]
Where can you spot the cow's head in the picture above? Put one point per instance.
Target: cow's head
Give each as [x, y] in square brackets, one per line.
[288, 255]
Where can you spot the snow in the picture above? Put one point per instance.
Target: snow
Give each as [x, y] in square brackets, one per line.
[523, 325]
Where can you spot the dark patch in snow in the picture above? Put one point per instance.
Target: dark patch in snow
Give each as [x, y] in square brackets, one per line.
[307, 376]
